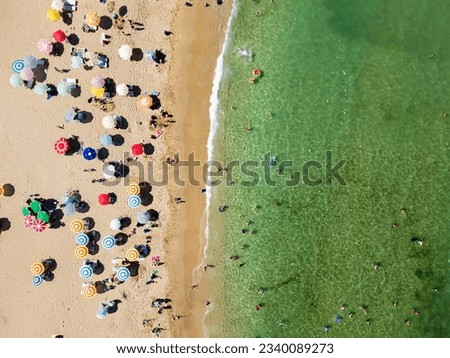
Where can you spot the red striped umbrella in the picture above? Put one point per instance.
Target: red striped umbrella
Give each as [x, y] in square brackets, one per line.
[61, 146]
[28, 221]
[59, 36]
[39, 226]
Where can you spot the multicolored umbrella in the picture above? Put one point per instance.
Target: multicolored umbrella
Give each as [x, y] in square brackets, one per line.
[137, 149]
[103, 199]
[132, 255]
[37, 268]
[106, 140]
[44, 46]
[122, 89]
[53, 15]
[144, 101]
[61, 145]
[39, 226]
[82, 239]
[123, 274]
[18, 65]
[81, 252]
[134, 201]
[115, 224]
[37, 280]
[35, 206]
[26, 74]
[16, 81]
[88, 290]
[89, 153]
[40, 88]
[125, 52]
[98, 81]
[108, 242]
[134, 189]
[28, 221]
[76, 226]
[109, 121]
[63, 88]
[97, 91]
[92, 18]
[86, 271]
[42, 215]
[143, 217]
[59, 36]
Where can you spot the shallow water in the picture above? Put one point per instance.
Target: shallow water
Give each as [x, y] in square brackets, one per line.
[355, 79]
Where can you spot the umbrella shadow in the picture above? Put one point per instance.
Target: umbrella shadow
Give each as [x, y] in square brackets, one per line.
[94, 236]
[105, 23]
[134, 268]
[122, 170]
[137, 55]
[58, 49]
[159, 57]
[67, 18]
[55, 219]
[8, 190]
[154, 215]
[125, 222]
[118, 140]
[121, 238]
[156, 102]
[135, 91]
[76, 91]
[110, 87]
[74, 145]
[89, 223]
[39, 72]
[48, 276]
[5, 224]
[144, 250]
[85, 117]
[73, 39]
[146, 197]
[50, 264]
[123, 10]
[99, 268]
[49, 204]
[82, 207]
[114, 307]
[149, 149]
[103, 154]
[112, 198]
[122, 123]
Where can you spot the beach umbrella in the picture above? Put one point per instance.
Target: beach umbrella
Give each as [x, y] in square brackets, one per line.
[70, 115]
[63, 88]
[76, 226]
[122, 89]
[82, 239]
[108, 242]
[109, 121]
[133, 189]
[103, 199]
[18, 66]
[89, 153]
[132, 255]
[76, 62]
[37, 280]
[86, 271]
[44, 46]
[125, 52]
[137, 149]
[61, 146]
[106, 140]
[28, 221]
[35, 206]
[98, 81]
[97, 91]
[143, 217]
[25, 211]
[144, 101]
[67, 198]
[53, 15]
[156, 259]
[108, 171]
[16, 81]
[42, 215]
[70, 209]
[40, 88]
[26, 74]
[81, 252]
[102, 312]
[39, 226]
[134, 201]
[59, 36]
[92, 18]
[30, 61]
[57, 5]
[115, 224]
[123, 274]
[37, 268]
[88, 291]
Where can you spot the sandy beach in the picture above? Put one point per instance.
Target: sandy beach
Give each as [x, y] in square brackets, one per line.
[31, 166]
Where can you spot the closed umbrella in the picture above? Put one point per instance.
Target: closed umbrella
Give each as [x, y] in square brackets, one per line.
[115, 224]
[37, 280]
[143, 217]
[76, 62]
[92, 18]
[98, 81]
[61, 146]
[109, 121]
[53, 15]
[16, 81]
[97, 91]
[103, 199]
[144, 101]
[42, 215]
[133, 189]
[132, 255]
[39, 226]
[108, 242]
[70, 115]
[123, 274]
[58, 5]
[27, 74]
[137, 149]
[59, 36]
[82, 239]
[63, 88]
[44, 46]
[108, 171]
[86, 271]
[70, 209]
[18, 66]
[88, 291]
[81, 252]
[28, 221]
[122, 89]
[30, 61]
[76, 226]
[37, 268]
[89, 153]
[125, 52]
[134, 201]
[40, 88]
[106, 140]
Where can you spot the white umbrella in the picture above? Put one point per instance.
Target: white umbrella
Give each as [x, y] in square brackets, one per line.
[125, 52]
[109, 121]
[15, 80]
[122, 89]
[143, 217]
[108, 171]
[98, 81]
[63, 89]
[76, 62]
[40, 88]
[58, 5]
[115, 224]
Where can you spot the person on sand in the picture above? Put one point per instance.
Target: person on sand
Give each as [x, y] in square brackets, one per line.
[258, 307]
[234, 258]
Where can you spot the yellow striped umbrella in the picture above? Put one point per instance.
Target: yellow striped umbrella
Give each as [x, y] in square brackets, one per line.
[133, 189]
[81, 252]
[132, 255]
[53, 15]
[88, 291]
[37, 268]
[76, 226]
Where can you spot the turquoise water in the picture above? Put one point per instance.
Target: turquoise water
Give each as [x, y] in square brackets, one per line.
[356, 78]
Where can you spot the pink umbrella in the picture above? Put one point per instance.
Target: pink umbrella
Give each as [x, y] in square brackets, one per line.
[39, 226]
[28, 221]
[44, 46]
[26, 74]
[98, 82]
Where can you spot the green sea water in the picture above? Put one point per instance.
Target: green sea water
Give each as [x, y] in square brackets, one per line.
[368, 81]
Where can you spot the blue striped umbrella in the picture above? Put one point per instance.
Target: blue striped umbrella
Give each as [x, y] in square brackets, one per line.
[108, 242]
[37, 280]
[86, 271]
[123, 274]
[134, 201]
[18, 66]
[82, 239]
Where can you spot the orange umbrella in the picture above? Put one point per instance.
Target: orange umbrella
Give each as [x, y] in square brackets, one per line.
[76, 226]
[133, 189]
[132, 255]
[145, 101]
[37, 268]
[88, 291]
[81, 252]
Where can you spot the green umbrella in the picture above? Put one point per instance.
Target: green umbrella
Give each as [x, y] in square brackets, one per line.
[35, 206]
[25, 211]
[42, 215]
